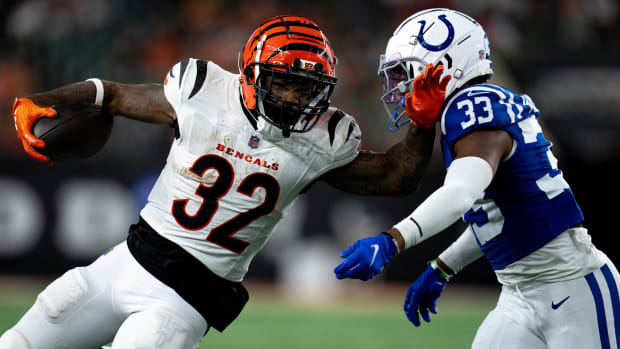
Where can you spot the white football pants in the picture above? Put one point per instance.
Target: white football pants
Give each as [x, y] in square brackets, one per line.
[113, 299]
[574, 314]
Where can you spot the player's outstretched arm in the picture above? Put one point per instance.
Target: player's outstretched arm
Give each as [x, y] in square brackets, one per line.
[144, 102]
[397, 172]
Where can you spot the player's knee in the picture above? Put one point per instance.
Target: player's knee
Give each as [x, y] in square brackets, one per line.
[60, 298]
[13, 339]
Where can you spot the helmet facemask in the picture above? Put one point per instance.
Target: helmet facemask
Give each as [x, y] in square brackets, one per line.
[397, 77]
[292, 100]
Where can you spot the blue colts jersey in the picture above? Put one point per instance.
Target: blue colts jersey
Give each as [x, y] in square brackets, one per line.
[528, 203]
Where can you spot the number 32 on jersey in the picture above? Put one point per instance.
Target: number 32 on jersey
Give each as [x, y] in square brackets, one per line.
[222, 235]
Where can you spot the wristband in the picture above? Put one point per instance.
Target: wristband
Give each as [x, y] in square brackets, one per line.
[441, 272]
[99, 87]
[396, 248]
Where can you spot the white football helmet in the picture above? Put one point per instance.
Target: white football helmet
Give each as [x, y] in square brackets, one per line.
[438, 36]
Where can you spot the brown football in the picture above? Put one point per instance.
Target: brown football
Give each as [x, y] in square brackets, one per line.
[78, 131]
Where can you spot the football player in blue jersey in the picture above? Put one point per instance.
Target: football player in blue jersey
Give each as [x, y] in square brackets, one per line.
[558, 289]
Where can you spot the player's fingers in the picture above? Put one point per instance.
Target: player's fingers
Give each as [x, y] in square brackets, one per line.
[417, 84]
[433, 308]
[444, 82]
[32, 140]
[351, 261]
[414, 317]
[349, 250]
[352, 273]
[38, 156]
[48, 112]
[425, 315]
[436, 75]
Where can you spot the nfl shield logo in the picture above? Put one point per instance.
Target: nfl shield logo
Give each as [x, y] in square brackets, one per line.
[253, 142]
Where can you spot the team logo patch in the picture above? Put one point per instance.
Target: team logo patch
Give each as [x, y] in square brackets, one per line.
[253, 142]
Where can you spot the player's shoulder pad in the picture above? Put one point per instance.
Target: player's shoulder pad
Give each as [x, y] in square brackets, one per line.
[480, 107]
[185, 79]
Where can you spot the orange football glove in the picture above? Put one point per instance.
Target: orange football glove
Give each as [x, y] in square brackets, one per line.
[25, 114]
[424, 104]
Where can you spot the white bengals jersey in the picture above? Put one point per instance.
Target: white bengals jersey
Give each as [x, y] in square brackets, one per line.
[226, 184]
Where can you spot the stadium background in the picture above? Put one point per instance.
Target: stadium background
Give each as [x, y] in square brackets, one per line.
[565, 54]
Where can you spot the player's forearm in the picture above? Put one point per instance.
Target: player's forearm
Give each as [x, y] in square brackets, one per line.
[409, 159]
[144, 102]
[465, 182]
[77, 92]
[397, 172]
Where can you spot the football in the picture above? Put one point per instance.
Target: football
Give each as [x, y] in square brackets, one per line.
[78, 131]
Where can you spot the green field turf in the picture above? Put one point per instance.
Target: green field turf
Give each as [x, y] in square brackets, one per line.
[364, 316]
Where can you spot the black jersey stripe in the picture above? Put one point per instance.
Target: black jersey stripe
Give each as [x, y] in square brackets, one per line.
[184, 64]
[177, 131]
[331, 125]
[351, 128]
[201, 75]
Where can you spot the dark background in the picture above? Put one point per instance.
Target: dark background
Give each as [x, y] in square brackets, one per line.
[564, 54]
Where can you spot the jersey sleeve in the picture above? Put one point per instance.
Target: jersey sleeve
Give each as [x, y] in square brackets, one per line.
[345, 137]
[184, 80]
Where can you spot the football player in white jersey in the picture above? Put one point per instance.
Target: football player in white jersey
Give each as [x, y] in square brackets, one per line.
[558, 289]
[246, 146]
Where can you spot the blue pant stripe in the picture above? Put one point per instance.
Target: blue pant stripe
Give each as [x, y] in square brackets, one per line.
[600, 310]
[615, 299]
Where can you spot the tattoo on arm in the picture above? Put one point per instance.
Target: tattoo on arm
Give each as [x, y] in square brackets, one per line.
[395, 172]
[145, 102]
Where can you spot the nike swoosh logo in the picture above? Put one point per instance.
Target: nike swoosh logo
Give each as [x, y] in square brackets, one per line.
[474, 93]
[554, 305]
[374, 254]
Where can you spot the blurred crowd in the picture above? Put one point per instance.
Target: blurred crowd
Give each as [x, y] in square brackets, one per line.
[48, 43]
[564, 53]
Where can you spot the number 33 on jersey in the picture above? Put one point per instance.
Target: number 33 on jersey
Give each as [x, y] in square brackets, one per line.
[228, 180]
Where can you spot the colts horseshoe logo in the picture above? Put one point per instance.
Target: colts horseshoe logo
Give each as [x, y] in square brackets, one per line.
[444, 44]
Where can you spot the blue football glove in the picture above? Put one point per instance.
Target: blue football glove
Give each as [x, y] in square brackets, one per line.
[423, 294]
[366, 258]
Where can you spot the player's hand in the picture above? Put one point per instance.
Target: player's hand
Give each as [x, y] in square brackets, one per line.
[25, 114]
[365, 258]
[429, 90]
[423, 294]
